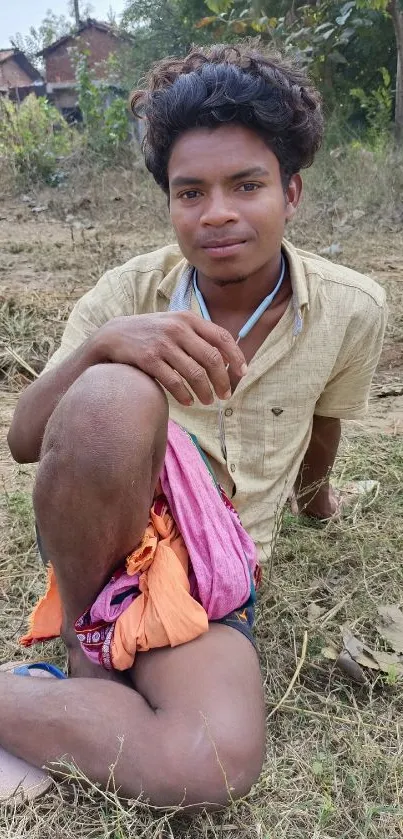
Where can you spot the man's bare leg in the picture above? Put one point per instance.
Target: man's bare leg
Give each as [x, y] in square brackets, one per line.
[179, 739]
[197, 735]
[101, 457]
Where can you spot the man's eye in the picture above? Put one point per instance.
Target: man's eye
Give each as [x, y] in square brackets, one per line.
[191, 193]
[249, 187]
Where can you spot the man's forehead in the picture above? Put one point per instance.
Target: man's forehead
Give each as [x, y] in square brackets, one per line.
[227, 152]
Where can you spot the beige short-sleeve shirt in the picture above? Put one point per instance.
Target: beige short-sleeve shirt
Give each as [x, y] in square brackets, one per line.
[319, 359]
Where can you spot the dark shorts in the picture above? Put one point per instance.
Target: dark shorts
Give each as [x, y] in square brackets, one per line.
[243, 620]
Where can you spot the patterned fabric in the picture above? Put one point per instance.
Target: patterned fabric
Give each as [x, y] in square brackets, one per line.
[324, 366]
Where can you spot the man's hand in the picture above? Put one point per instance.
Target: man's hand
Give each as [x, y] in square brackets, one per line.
[176, 348]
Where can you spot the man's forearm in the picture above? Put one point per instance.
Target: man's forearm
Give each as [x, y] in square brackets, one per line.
[39, 400]
[312, 486]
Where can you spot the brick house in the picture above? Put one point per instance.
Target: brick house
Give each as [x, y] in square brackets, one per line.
[18, 77]
[99, 40]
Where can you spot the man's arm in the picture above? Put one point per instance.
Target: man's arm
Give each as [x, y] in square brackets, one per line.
[344, 397]
[314, 494]
[183, 352]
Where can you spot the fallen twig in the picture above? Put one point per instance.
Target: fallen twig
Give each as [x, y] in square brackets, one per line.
[21, 361]
[294, 678]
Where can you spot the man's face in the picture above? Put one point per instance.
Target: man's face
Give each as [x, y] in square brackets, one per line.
[227, 202]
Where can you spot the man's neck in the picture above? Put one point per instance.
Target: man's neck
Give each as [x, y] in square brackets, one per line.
[240, 295]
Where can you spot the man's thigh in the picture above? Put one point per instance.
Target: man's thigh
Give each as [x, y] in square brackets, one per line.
[210, 693]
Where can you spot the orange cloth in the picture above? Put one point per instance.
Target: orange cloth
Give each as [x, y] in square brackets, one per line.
[163, 614]
[46, 619]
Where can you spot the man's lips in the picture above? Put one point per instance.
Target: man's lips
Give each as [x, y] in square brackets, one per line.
[223, 247]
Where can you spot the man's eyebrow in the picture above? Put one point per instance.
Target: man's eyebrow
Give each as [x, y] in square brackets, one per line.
[187, 180]
[249, 173]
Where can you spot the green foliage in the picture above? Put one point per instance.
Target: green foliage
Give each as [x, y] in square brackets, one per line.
[106, 120]
[161, 28]
[33, 138]
[377, 106]
[52, 27]
[344, 46]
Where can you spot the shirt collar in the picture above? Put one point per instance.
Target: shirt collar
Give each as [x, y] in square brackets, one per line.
[297, 272]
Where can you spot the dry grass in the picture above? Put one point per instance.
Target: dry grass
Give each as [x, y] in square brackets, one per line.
[334, 764]
[334, 767]
[350, 189]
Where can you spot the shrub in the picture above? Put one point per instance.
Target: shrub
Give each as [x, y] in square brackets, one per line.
[33, 139]
[106, 121]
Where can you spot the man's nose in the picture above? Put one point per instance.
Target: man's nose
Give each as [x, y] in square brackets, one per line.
[219, 209]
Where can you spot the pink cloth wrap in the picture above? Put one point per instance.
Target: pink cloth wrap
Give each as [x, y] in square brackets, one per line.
[222, 555]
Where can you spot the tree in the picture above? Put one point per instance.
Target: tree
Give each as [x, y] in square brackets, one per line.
[76, 13]
[348, 47]
[396, 12]
[52, 27]
[161, 28]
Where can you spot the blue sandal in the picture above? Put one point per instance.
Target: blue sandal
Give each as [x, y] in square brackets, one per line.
[42, 666]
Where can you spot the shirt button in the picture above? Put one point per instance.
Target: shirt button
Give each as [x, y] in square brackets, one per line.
[233, 467]
[228, 412]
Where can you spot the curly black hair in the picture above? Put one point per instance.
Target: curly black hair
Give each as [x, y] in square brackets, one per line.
[222, 84]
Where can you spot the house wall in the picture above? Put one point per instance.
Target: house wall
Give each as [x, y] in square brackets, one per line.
[12, 75]
[59, 67]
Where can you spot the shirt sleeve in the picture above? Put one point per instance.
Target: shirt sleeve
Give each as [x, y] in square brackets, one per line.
[108, 299]
[346, 394]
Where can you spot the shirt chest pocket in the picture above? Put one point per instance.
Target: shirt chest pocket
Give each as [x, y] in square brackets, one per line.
[286, 433]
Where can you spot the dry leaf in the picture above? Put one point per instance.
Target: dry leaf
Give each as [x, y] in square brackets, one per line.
[391, 627]
[388, 661]
[349, 666]
[355, 654]
[352, 644]
[331, 652]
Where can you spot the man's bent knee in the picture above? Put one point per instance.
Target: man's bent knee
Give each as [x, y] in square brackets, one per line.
[222, 769]
[111, 423]
[106, 402]
[240, 764]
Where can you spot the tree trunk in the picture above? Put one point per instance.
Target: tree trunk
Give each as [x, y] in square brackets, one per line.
[76, 13]
[396, 14]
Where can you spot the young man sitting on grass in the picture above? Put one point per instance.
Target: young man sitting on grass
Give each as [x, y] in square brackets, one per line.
[257, 350]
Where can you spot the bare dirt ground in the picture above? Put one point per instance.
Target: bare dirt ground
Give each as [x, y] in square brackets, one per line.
[335, 754]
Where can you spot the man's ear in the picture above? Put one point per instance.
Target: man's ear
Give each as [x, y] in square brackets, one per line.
[293, 195]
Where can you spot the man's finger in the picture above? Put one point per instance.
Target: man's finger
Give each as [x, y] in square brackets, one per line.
[211, 360]
[225, 343]
[194, 374]
[173, 383]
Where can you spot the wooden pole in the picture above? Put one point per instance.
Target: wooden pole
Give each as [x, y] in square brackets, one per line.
[77, 13]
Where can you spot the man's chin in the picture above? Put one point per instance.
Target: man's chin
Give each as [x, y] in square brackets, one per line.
[224, 274]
